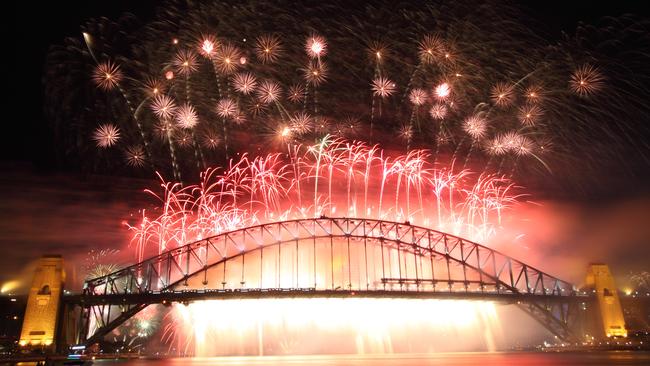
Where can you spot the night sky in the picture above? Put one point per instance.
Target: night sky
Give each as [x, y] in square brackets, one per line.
[48, 207]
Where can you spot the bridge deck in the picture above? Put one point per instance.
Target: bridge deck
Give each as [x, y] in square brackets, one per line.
[227, 294]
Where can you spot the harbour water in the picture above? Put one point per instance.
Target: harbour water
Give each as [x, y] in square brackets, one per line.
[448, 359]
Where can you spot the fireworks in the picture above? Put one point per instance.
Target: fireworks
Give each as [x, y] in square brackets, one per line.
[383, 87]
[251, 79]
[268, 91]
[210, 139]
[418, 97]
[502, 94]
[430, 48]
[228, 59]
[186, 116]
[438, 111]
[185, 62]
[296, 93]
[529, 114]
[442, 91]
[316, 46]
[106, 135]
[244, 83]
[302, 123]
[134, 156]
[586, 80]
[475, 126]
[227, 108]
[163, 106]
[107, 75]
[208, 46]
[268, 48]
[315, 74]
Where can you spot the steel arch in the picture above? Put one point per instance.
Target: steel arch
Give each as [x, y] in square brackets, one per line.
[413, 260]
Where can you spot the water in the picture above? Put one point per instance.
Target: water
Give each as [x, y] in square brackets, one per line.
[447, 359]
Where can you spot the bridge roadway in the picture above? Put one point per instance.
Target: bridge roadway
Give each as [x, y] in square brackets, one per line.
[185, 296]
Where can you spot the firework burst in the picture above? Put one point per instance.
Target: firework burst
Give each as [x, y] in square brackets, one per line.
[383, 87]
[530, 114]
[244, 83]
[418, 97]
[163, 106]
[315, 74]
[475, 126]
[442, 91]
[296, 93]
[586, 80]
[227, 108]
[186, 116]
[185, 62]
[268, 48]
[134, 156]
[316, 46]
[106, 135]
[107, 75]
[228, 59]
[502, 94]
[430, 47]
[438, 111]
[269, 92]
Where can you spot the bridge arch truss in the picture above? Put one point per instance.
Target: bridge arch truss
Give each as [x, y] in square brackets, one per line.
[328, 257]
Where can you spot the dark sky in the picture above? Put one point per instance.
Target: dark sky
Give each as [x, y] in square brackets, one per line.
[33, 185]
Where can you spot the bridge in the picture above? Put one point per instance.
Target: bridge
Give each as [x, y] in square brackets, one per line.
[327, 257]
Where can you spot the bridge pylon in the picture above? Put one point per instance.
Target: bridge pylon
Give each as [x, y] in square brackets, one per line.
[39, 330]
[601, 281]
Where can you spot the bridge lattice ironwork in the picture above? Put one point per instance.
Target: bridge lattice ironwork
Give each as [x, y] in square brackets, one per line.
[327, 257]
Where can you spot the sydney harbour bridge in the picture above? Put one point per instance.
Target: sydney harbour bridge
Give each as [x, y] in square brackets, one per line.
[321, 258]
[327, 257]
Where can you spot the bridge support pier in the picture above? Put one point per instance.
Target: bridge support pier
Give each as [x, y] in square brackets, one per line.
[39, 330]
[601, 281]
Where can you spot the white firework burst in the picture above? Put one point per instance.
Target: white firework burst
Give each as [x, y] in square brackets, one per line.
[418, 97]
[186, 116]
[530, 114]
[475, 126]
[227, 108]
[442, 91]
[383, 87]
[185, 62]
[438, 111]
[163, 106]
[106, 135]
[296, 93]
[301, 123]
[107, 75]
[316, 46]
[244, 83]
[268, 92]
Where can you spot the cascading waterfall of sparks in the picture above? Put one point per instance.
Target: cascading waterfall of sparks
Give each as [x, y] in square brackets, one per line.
[332, 178]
